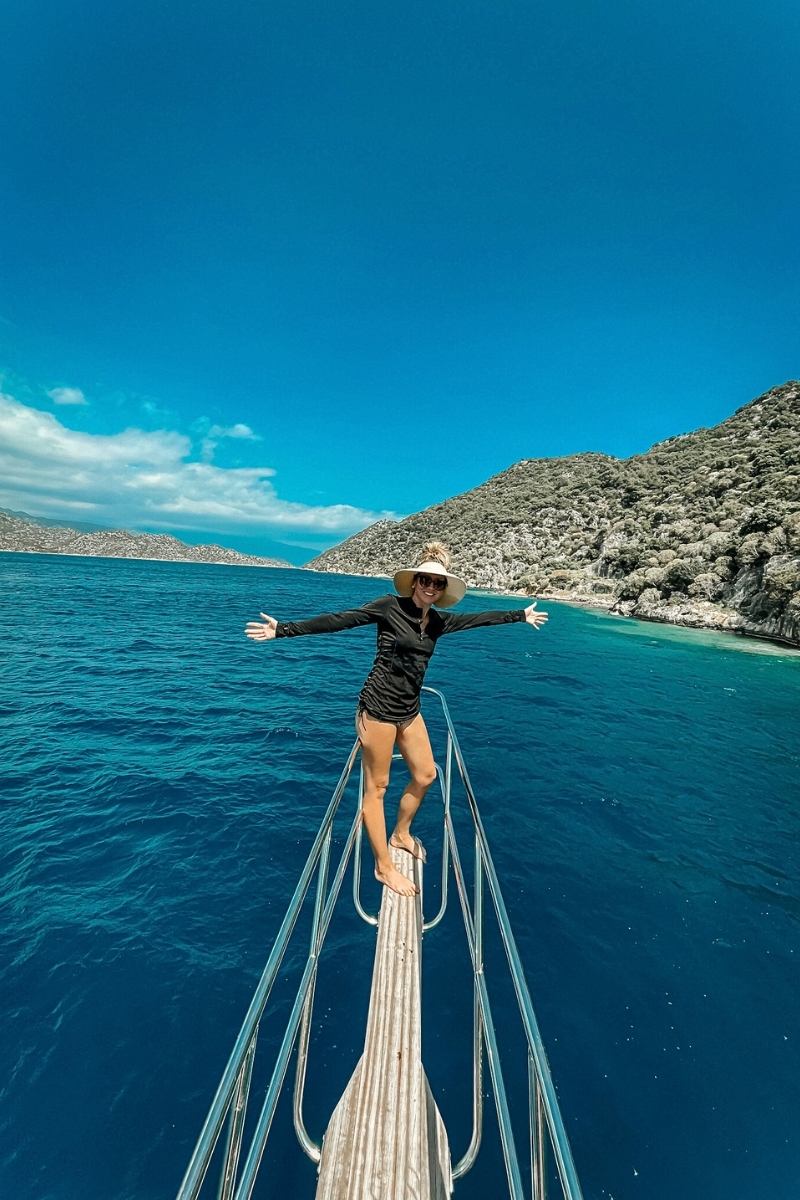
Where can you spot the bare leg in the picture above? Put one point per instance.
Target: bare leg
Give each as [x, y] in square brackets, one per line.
[415, 746]
[377, 743]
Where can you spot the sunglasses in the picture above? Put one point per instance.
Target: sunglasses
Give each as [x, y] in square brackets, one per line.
[432, 581]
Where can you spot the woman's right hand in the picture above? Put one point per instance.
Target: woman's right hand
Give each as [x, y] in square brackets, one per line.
[262, 631]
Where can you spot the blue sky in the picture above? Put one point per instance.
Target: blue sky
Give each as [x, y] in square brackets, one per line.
[269, 271]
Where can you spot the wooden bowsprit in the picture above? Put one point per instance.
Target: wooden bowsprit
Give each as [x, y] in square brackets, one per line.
[386, 1138]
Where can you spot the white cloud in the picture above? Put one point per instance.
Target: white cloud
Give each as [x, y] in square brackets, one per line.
[151, 409]
[67, 395]
[216, 432]
[146, 478]
[234, 431]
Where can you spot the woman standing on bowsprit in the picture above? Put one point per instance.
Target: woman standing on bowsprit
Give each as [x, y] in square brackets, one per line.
[388, 707]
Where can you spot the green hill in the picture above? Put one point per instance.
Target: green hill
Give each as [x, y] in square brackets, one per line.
[703, 529]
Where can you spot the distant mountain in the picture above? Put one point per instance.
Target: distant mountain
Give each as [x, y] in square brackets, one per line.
[82, 526]
[703, 529]
[23, 533]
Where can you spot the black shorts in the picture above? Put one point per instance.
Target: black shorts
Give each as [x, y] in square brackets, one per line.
[361, 712]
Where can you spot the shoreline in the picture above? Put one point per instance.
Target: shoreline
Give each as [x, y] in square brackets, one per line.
[200, 562]
[598, 604]
[605, 605]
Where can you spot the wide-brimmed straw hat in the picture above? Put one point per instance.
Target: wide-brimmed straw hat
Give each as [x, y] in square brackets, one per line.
[432, 564]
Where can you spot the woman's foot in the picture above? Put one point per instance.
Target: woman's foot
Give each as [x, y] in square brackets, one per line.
[407, 841]
[396, 880]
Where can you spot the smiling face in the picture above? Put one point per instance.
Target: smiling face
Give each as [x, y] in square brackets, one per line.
[427, 589]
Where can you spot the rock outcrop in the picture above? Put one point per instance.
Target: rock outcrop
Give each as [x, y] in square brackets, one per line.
[703, 529]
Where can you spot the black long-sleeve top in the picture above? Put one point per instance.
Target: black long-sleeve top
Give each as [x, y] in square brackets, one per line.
[391, 690]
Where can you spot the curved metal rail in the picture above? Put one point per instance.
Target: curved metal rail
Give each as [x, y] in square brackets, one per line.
[548, 1138]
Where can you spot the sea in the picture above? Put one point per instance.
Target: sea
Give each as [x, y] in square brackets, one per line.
[162, 782]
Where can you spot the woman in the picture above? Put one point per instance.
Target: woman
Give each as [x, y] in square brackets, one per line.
[388, 708]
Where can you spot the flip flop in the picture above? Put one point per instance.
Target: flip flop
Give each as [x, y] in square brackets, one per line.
[418, 851]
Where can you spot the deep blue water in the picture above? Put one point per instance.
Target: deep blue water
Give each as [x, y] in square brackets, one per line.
[162, 779]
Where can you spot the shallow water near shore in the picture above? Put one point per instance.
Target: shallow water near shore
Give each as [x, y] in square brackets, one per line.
[162, 781]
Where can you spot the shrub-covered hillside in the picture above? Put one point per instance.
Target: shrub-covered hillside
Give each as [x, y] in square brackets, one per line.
[703, 529]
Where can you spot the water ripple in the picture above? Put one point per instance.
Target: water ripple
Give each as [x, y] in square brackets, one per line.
[161, 791]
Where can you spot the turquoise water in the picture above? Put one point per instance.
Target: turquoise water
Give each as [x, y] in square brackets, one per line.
[162, 779]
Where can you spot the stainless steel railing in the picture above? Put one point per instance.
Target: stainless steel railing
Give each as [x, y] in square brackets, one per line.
[547, 1136]
[545, 1120]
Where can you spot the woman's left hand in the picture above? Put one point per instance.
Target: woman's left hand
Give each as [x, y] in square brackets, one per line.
[536, 619]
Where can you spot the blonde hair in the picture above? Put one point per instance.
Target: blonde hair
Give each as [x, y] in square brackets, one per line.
[435, 552]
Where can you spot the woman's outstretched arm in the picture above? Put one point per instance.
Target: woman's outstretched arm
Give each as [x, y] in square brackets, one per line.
[456, 622]
[269, 628]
